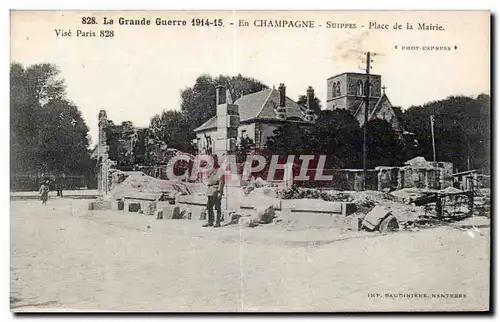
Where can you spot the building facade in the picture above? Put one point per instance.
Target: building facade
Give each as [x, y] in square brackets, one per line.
[258, 115]
[348, 91]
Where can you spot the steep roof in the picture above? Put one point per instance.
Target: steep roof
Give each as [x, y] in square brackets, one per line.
[260, 106]
[373, 113]
[210, 124]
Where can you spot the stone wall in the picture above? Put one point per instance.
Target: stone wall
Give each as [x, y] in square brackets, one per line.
[384, 179]
[393, 178]
[344, 180]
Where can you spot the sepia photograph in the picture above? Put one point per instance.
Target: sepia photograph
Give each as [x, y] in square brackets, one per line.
[251, 161]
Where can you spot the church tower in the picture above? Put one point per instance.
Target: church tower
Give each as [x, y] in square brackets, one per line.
[348, 91]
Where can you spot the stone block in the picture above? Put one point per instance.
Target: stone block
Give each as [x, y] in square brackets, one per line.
[352, 223]
[265, 215]
[248, 222]
[117, 205]
[194, 211]
[319, 206]
[348, 208]
[171, 212]
[193, 200]
[134, 206]
[203, 215]
[148, 207]
[100, 205]
[233, 218]
[277, 220]
[187, 212]
[373, 219]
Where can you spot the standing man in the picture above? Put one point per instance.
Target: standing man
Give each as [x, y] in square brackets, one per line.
[59, 186]
[215, 191]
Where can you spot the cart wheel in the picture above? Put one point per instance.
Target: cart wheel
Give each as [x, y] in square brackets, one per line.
[389, 224]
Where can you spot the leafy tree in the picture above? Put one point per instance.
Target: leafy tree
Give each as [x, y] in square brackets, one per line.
[244, 147]
[117, 142]
[335, 134]
[141, 146]
[198, 101]
[398, 111]
[63, 139]
[461, 128]
[170, 128]
[315, 104]
[240, 85]
[289, 138]
[25, 115]
[175, 128]
[48, 133]
[384, 145]
[44, 83]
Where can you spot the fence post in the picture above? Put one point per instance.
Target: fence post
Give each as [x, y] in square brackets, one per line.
[288, 175]
[470, 195]
[439, 207]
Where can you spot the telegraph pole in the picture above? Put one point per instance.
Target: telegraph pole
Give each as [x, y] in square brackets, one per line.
[433, 142]
[367, 104]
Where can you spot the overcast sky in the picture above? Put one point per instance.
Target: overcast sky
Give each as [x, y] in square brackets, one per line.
[141, 70]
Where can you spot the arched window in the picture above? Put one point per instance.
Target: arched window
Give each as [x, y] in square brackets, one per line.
[359, 88]
[334, 90]
[338, 89]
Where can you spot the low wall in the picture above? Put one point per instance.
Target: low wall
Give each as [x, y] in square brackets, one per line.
[385, 178]
[343, 180]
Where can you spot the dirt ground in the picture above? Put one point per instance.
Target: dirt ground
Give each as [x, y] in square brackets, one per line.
[64, 257]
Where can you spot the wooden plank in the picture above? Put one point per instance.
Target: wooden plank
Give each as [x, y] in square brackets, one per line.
[463, 173]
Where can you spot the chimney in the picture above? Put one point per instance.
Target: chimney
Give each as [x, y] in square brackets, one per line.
[310, 97]
[282, 91]
[219, 95]
[229, 97]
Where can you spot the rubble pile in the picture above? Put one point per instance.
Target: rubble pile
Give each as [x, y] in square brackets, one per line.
[407, 195]
[259, 184]
[310, 193]
[367, 200]
[482, 204]
[128, 183]
[262, 215]
[420, 222]
[450, 190]
[264, 191]
[117, 177]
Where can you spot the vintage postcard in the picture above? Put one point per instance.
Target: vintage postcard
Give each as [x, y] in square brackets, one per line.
[250, 161]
